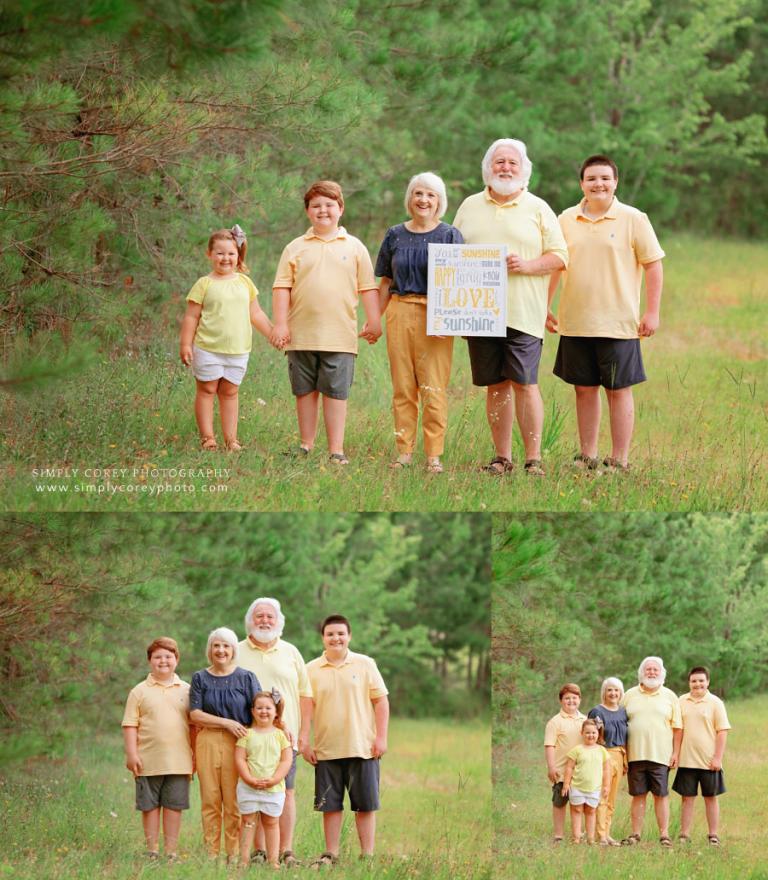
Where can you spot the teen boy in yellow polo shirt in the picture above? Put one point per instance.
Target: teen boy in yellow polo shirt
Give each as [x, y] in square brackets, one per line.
[705, 730]
[157, 747]
[561, 734]
[314, 303]
[350, 718]
[610, 247]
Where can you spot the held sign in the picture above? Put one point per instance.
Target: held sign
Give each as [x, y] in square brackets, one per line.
[467, 290]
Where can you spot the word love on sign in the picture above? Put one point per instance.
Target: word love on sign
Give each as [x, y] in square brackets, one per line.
[467, 292]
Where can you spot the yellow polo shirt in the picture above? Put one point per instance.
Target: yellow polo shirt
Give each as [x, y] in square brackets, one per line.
[344, 720]
[281, 667]
[225, 322]
[702, 720]
[529, 227]
[564, 733]
[600, 294]
[325, 279]
[652, 717]
[161, 713]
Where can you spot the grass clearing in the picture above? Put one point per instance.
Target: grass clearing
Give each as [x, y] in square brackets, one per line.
[73, 817]
[701, 438]
[523, 827]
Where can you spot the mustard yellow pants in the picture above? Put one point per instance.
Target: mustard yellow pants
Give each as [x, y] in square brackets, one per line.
[420, 367]
[215, 755]
[606, 807]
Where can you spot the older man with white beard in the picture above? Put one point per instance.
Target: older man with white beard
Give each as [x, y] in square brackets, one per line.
[506, 213]
[279, 665]
[653, 746]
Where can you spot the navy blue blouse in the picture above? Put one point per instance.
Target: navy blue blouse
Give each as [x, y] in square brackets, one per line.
[404, 256]
[227, 696]
[615, 729]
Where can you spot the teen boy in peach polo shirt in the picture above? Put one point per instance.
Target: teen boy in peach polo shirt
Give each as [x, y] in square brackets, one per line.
[562, 733]
[350, 722]
[705, 730]
[314, 304]
[610, 247]
[157, 747]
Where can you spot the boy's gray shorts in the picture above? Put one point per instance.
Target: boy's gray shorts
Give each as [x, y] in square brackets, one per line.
[329, 372]
[170, 790]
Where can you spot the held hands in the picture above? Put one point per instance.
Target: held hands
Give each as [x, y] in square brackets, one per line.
[371, 331]
[551, 322]
[280, 336]
[379, 747]
[649, 324]
[263, 783]
[185, 353]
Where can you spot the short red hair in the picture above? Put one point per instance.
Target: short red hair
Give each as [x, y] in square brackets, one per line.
[166, 644]
[328, 188]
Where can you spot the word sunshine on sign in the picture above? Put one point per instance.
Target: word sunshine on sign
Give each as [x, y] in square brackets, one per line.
[467, 291]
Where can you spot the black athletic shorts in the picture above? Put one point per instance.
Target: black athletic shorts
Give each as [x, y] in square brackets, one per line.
[645, 776]
[596, 360]
[688, 780]
[496, 359]
[359, 776]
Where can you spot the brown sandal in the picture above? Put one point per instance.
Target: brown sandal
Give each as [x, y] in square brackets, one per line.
[233, 446]
[208, 443]
[498, 466]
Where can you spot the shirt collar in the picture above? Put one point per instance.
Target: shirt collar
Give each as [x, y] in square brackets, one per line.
[577, 717]
[341, 232]
[153, 682]
[611, 214]
[515, 201]
[327, 662]
[269, 650]
[690, 696]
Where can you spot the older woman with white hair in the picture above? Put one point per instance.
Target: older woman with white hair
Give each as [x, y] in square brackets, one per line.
[279, 664]
[420, 365]
[220, 700]
[613, 718]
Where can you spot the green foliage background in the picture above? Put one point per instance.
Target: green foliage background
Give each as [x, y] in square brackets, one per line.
[82, 596]
[131, 129]
[581, 597]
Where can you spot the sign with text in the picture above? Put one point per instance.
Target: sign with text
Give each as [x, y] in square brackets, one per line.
[467, 291]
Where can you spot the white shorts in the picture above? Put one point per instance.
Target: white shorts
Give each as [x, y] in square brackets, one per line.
[255, 800]
[578, 797]
[207, 366]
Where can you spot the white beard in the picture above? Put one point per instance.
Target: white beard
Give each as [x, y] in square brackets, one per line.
[652, 683]
[265, 636]
[506, 186]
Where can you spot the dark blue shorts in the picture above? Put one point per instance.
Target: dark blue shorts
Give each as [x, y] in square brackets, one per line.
[689, 779]
[495, 359]
[359, 776]
[596, 360]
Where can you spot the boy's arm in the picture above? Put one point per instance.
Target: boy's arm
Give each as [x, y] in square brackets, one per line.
[131, 742]
[188, 329]
[549, 755]
[568, 775]
[654, 281]
[372, 327]
[260, 320]
[281, 302]
[554, 280]
[717, 759]
[381, 714]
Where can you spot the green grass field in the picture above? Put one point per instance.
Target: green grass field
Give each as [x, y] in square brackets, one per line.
[523, 828]
[73, 817]
[701, 439]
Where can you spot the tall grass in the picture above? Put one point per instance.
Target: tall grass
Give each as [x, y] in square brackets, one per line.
[700, 441]
[523, 827]
[74, 818]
